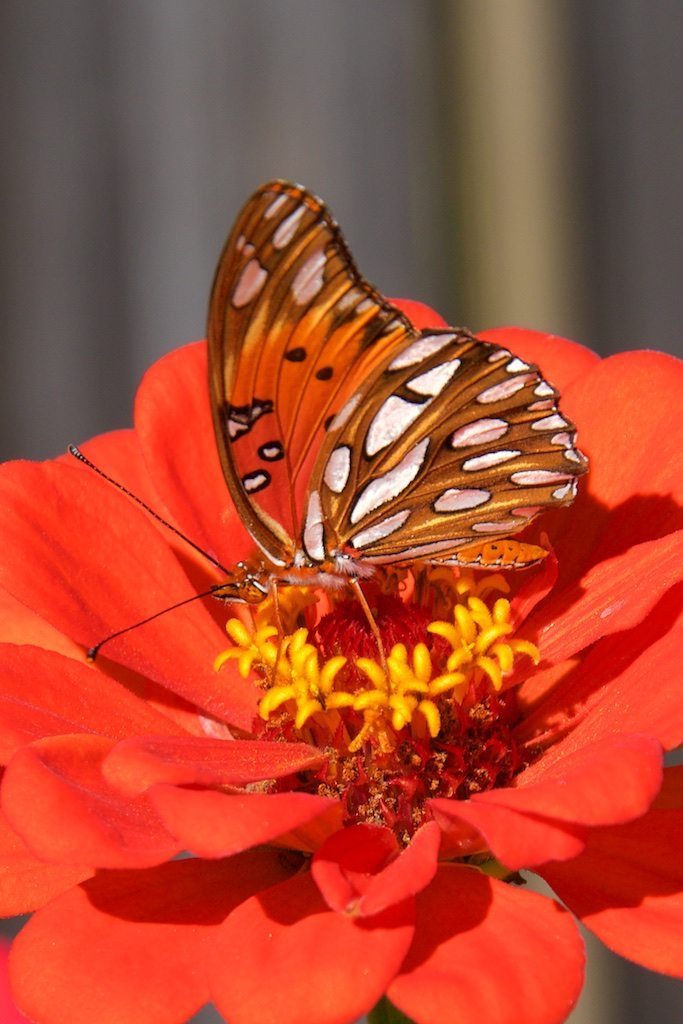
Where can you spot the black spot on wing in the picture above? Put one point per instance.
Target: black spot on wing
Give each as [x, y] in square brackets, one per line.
[255, 481]
[271, 451]
[239, 419]
[324, 373]
[296, 355]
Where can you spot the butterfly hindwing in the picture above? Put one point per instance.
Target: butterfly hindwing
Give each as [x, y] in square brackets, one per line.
[293, 331]
[452, 441]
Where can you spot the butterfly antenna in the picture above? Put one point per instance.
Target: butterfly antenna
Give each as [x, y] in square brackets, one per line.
[78, 454]
[92, 652]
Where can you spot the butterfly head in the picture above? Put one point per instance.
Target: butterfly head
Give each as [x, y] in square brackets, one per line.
[246, 584]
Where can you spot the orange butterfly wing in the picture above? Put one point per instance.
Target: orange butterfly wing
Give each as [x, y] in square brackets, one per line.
[293, 329]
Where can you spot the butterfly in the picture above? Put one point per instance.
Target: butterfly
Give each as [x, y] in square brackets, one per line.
[351, 440]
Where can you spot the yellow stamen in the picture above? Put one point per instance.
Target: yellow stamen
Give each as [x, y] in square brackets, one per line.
[251, 647]
[432, 716]
[409, 692]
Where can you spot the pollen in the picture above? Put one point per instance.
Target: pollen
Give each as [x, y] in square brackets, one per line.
[379, 703]
[433, 717]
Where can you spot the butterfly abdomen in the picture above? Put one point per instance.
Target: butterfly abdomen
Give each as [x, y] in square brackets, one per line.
[499, 554]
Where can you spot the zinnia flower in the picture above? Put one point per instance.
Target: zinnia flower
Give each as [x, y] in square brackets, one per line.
[351, 829]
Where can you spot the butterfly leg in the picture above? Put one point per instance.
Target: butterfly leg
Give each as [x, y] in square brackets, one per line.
[278, 625]
[355, 584]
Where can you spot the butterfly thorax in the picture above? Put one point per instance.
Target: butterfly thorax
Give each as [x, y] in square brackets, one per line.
[252, 582]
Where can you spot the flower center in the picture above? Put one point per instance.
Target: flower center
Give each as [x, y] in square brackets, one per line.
[434, 721]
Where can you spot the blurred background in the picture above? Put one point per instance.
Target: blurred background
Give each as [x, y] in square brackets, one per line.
[505, 161]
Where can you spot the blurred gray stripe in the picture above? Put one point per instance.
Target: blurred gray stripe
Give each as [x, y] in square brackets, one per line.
[134, 130]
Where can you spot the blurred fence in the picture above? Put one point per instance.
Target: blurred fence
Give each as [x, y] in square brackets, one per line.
[503, 160]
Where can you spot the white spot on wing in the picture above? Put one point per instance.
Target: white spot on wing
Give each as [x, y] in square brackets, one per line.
[563, 492]
[538, 477]
[420, 350]
[490, 459]
[313, 528]
[236, 428]
[479, 432]
[349, 298]
[505, 389]
[454, 499]
[276, 204]
[563, 439]
[545, 403]
[337, 469]
[345, 412]
[309, 278]
[420, 551]
[501, 353]
[516, 365]
[501, 526]
[249, 284]
[254, 481]
[392, 419]
[380, 530]
[286, 231]
[434, 381]
[550, 423]
[543, 390]
[573, 455]
[391, 484]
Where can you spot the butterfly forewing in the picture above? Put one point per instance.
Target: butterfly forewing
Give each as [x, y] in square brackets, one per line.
[452, 441]
[293, 331]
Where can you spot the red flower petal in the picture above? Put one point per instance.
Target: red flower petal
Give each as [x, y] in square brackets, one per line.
[284, 957]
[136, 764]
[614, 595]
[610, 690]
[129, 573]
[172, 412]
[132, 945]
[607, 782]
[627, 886]
[516, 839]
[361, 871]
[45, 694]
[21, 625]
[561, 361]
[628, 412]
[487, 952]
[55, 797]
[534, 589]
[8, 1011]
[421, 316]
[578, 783]
[213, 824]
[118, 454]
[27, 883]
